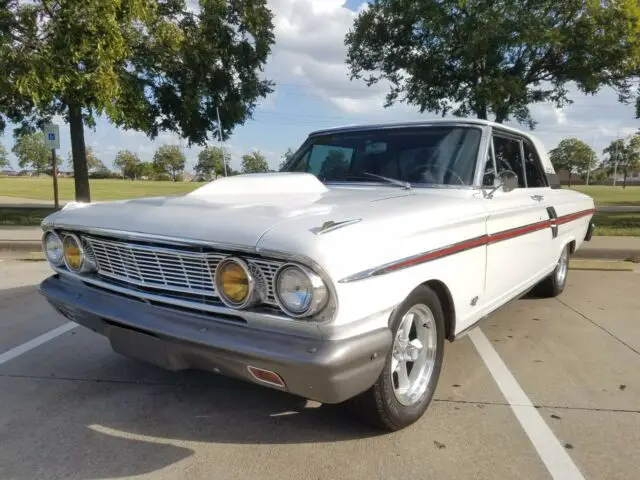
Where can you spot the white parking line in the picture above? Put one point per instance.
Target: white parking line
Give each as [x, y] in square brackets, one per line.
[549, 448]
[36, 342]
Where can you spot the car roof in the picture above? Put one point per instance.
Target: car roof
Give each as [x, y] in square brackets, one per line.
[422, 123]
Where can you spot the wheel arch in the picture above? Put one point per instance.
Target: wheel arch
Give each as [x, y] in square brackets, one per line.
[448, 307]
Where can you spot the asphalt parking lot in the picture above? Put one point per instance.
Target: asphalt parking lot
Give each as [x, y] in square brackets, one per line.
[71, 408]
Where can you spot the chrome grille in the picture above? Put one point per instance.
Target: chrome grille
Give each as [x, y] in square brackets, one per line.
[173, 270]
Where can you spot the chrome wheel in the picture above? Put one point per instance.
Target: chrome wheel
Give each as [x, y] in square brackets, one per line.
[563, 267]
[414, 355]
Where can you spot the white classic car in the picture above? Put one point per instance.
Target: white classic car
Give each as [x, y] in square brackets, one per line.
[337, 279]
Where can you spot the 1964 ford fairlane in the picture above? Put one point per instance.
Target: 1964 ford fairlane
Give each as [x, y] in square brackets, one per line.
[337, 279]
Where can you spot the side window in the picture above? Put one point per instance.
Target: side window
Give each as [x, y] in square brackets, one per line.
[507, 152]
[533, 167]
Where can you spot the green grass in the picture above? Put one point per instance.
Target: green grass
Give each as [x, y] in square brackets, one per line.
[23, 217]
[625, 224]
[608, 195]
[42, 188]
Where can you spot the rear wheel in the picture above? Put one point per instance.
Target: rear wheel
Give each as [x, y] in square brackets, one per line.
[406, 385]
[554, 284]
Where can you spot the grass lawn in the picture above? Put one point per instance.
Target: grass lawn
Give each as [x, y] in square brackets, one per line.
[606, 195]
[42, 188]
[617, 224]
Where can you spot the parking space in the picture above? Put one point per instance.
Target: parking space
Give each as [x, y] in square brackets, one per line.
[71, 408]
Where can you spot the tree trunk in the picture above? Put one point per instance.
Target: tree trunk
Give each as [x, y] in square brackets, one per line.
[624, 181]
[79, 154]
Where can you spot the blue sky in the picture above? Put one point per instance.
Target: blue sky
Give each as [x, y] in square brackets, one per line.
[313, 91]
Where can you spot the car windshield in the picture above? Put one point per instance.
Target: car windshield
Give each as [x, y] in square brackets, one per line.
[438, 155]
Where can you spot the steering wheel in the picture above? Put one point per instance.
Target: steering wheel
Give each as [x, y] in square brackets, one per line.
[424, 168]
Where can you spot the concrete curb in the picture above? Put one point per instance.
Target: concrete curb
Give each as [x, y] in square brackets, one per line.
[607, 254]
[602, 265]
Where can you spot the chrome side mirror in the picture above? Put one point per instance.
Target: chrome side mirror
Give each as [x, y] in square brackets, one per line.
[507, 181]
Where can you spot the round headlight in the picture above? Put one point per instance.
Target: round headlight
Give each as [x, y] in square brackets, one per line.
[234, 283]
[52, 246]
[299, 291]
[73, 254]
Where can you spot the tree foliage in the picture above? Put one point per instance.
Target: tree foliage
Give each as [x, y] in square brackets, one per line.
[4, 158]
[32, 152]
[288, 155]
[211, 164]
[127, 162]
[495, 58]
[574, 156]
[254, 162]
[92, 161]
[145, 170]
[623, 156]
[149, 65]
[169, 159]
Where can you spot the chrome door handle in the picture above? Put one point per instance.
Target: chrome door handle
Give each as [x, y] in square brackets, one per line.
[537, 198]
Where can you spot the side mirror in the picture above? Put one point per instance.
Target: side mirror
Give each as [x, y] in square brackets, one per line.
[507, 181]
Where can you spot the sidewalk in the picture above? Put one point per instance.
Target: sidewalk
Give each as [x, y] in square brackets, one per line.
[27, 239]
[18, 202]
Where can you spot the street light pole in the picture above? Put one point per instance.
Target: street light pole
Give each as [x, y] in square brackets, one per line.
[224, 160]
[615, 161]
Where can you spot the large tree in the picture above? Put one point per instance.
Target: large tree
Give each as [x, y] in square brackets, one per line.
[574, 156]
[32, 152]
[623, 156]
[127, 162]
[254, 162]
[211, 163]
[169, 159]
[4, 159]
[497, 58]
[149, 65]
[145, 170]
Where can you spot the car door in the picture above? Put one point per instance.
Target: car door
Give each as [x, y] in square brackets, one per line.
[518, 227]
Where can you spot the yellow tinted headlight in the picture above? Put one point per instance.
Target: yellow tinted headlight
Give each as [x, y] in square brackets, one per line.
[73, 256]
[234, 283]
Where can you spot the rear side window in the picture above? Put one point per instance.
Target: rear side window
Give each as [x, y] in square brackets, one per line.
[533, 167]
[507, 152]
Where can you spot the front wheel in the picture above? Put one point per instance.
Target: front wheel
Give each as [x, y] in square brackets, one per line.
[406, 385]
[554, 284]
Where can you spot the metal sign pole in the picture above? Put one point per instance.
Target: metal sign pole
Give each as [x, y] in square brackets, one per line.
[55, 178]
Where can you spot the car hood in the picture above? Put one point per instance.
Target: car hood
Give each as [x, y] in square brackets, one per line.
[239, 216]
[282, 209]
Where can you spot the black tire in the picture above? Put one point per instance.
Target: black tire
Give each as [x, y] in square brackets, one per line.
[379, 406]
[554, 284]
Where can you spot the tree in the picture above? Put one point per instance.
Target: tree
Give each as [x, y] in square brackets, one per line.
[494, 58]
[254, 162]
[128, 163]
[4, 159]
[574, 156]
[210, 162]
[147, 65]
[623, 157]
[32, 152]
[145, 170]
[92, 162]
[169, 159]
[286, 157]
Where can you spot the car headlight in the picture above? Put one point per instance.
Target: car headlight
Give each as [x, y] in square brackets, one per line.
[74, 256]
[52, 246]
[299, 291]
[234, 283]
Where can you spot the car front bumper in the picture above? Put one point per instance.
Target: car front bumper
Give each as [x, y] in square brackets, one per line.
[323, 370]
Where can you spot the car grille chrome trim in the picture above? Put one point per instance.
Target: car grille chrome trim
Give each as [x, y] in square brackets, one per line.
[173, 270]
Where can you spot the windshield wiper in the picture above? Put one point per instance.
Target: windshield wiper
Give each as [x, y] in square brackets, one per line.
[393, 181]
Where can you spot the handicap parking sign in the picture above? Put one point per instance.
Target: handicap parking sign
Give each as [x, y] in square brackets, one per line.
[52, 136]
